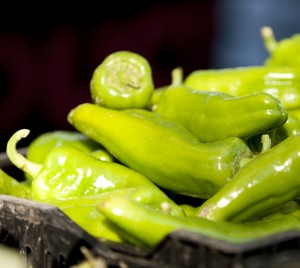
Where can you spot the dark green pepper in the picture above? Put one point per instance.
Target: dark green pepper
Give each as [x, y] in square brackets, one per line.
[269, 180]
[122, 80]
[134, 218]
[163, 151]
[282, 53]
[213, 116]
[281, 82]
[68, 172]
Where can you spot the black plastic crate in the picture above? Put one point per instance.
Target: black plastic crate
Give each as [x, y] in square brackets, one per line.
[48, 238]
[186, 249]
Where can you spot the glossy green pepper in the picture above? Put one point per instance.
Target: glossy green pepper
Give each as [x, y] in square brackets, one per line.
[11, 186]
[290, 128]
[40, 146]
[294, 113]
[176, 79]
[282, 53]
[83, 210]
[68, 172]
[122, 80]
[281, 82]
[157, 93]
[188, 209]
[163, 151]
[213, 116]
[103, 155]
[269, 180]
[134, 218]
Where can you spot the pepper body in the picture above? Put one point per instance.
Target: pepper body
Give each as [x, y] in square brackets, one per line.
[286, 53]
[68, 173]
[83, 211]
[11, 186]
[269, 180]
[103, 155]
[41, 145]
[133, 219]
[188, 209]
[155, 97]
[290, 128]
[213, 116]
[282, 53]
[163, 151]
[295, 113]
[281, 82]
[122, 80]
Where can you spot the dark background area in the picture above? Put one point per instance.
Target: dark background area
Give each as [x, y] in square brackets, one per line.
[48, 52]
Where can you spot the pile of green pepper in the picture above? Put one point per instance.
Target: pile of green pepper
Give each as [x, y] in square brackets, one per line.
[226, 139]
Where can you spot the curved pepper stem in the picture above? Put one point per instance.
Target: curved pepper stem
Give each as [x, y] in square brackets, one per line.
[18, 159]
[269, 39]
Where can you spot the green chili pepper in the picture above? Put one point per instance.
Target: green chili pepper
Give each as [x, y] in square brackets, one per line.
[91, 220]
[134, 218]
[122, 80]
[157, 93]
[188, 209]
[68, 172]
[176, 77]
[290, 128]
[163, 151]
[281, 82]
[261, 143]
[213, 116]
[103, 154]
[269, 180]
[282, 53]
[40, 146]
[11, 186]
[294, 113]
[83, 211]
